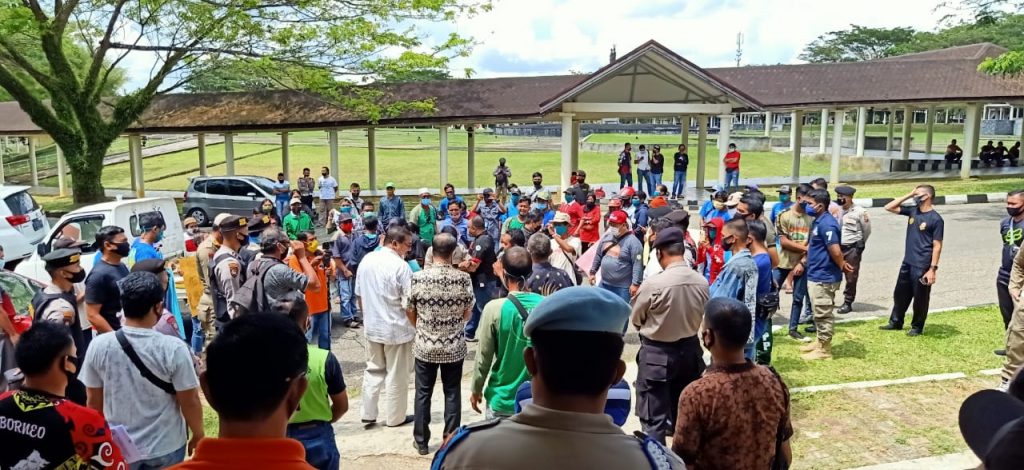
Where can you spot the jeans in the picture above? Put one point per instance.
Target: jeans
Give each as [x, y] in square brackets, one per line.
[482, 294]
[732, 178]
[656, 180]
[347, 300]
[625, 179]
[643, 176]
[801, 301]
[622, 292]
[282, 206]
[679, 184]
[426, 377]
[320, 326]
[198, 336]
[318, 440]
[163, 461]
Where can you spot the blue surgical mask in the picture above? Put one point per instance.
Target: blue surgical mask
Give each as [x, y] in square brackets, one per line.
[542, 206]
[2, 262]
[569, 198]
[346, 210]
[784, 198]
[656, 194]
[636, 203]
[425, 201]
[515, 199]
[561, 230]
[809, 209]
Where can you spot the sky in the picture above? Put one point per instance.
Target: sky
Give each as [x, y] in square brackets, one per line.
[550, 37]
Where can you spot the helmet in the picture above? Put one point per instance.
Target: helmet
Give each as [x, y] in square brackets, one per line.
[628, 191]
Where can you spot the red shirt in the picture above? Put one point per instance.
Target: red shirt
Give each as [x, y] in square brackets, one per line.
[247, 454]
[590, 225]
[575, 211]
[732, 160]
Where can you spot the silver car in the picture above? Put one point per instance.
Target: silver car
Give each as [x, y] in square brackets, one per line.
[208, 196]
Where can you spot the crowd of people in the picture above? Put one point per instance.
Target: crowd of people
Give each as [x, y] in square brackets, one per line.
[546, 291]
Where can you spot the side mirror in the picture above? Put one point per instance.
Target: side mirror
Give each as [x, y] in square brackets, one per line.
[252, 195]
[43, 249]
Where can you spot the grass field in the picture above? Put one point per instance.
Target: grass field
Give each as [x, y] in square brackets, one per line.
[942, 187]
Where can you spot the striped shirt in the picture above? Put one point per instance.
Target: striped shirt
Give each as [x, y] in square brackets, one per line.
[617, 405]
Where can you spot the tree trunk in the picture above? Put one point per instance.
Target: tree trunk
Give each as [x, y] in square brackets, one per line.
[86, 169]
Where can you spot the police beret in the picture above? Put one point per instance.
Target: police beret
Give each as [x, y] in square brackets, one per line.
[669, 236]
[678, 216]
[233, 222]
[579, 308]
[150, 265]
[845, 190]
[62, 257]
[259, 223]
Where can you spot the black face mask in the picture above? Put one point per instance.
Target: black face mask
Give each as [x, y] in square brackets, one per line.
[122, 249]
[77, 277]
[324, 174]
[727, 245]
[1014, 211]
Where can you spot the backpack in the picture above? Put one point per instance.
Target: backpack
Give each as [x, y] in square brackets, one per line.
[251, 295]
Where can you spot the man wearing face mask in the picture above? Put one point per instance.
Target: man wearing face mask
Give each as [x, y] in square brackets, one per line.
[425, 216]
[282, 193]
[581, 182]
[640, 210]
[457, 220]
[572, 205]
[102, 298]
[297, 221]
[620, 259]
[1011, 231]
[502, 174]
[856, 229]
[738, 278]
[328, 191]
[145, 380]
[566, 247]
[514, 196]
[482, 255]
[256, 377]
[226, 273]
[278, 278]
[667, 313]
[152, 225]
[751, 207]
[54, 429]
[785, 202]
[825, 266]
[920, 260]
[542, 206]
[538, 186]
[715, 208]
[491, 210]
[58, 303]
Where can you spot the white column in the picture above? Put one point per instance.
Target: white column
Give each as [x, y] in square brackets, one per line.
[443, 137]
[471, 157]
[33, 163]
[908, 120]
[3, 177]
[229, 154]
[62, 169]
[702, 156]
[929, 128]
[135, 154]
[285, 157]
[332, 142]
[794, 139]
[724, 128]
[837, 146]
[575, 144]
[371, 155]
[201, 142]
[824, 131]
[566, 150]
[768, 124]
[972, 132]
[892, 125]
[862, 123]
[796, 135]
[131, 166]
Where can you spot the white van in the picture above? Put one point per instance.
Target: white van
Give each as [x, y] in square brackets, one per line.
[88, 220]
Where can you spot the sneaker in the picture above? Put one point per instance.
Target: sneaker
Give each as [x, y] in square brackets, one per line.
[811, 329]
[914, 332]
[799, 337]
[351, 323]
[470, 339]
[890, 327]
[845, 308]
[1004, 386]
[999, 352]
[421, 448]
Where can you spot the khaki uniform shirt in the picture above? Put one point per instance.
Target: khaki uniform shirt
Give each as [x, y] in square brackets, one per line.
[204, 256]
[1017, 275]
[228, 271]
[539, 437]
[856, 226]
[670, 305]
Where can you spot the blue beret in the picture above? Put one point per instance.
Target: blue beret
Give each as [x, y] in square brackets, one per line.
[579, 308]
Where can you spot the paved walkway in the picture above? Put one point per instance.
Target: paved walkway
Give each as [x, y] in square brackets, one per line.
[961, 461]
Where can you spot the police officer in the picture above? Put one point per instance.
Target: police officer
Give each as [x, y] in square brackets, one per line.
[226, 273]
[856, 228]
[204, 311]
[574, 359]
[58, 303]
[667, 312]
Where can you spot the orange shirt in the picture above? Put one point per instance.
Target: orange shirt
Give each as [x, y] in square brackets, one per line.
[247, 454]
[319, 301]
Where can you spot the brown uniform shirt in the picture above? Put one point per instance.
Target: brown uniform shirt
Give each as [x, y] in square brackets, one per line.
[670, 305]
[539, 437]
[729, 418]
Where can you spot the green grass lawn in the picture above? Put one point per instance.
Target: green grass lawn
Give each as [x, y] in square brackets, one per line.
[942, 187]
[955, 341]
[211, 422]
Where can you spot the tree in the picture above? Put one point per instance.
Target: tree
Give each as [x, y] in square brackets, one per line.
[997, 21]
[77, 54]
[856, 44]
[308, 43]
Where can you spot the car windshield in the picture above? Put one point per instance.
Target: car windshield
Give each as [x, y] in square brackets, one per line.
[263, 183]
[21, 203]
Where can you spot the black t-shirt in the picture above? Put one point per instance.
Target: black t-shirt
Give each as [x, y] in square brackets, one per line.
[333, 376]
[483, 249]
[101, 287]
[680, 161]
[657, 163]
[1011, 233]
[923, 229]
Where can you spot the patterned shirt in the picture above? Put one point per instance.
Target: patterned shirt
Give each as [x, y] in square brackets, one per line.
[795, 227]
[547, 279]
[729, 418]
[440, 295]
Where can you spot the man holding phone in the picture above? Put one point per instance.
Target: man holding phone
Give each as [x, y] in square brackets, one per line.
[920, 259]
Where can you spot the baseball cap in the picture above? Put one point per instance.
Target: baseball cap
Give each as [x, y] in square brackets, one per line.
[543, 194]
[220, 219]
[616, 202]
[389, 185]
[424, 191]
[579, 308]
[295, 201]
[992, 424]
[488, 192]
[617, 217]
[189, 220]
[678, 216]
[560, 218]
[734, 199]
[628, 191]
[785, 189]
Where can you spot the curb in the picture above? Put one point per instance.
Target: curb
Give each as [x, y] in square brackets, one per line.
[955, 199]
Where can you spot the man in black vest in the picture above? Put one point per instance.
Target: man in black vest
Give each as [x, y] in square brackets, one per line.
[57, 303]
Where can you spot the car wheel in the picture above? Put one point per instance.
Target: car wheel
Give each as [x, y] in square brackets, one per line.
[200, 216]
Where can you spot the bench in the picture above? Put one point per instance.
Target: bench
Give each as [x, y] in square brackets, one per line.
[926, 164]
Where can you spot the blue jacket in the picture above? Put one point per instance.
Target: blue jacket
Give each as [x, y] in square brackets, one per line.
[738, 280]
[391, 208]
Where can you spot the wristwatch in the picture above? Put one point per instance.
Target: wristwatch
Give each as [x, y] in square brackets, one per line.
[935, 268]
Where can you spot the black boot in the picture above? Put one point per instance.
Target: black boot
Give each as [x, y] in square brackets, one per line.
[845, 308]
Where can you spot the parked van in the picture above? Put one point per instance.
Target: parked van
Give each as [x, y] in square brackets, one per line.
[85, 222]
[22, 223]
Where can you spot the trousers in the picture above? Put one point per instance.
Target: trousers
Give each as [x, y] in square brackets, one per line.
[1005, 301]
[346, 300]
[852, 254]
[823, 305]
[318, 440]
[679, 184]
[801, 301]
[663, 371]
[426, 377]
[388, 367]
[320, 331]
[643, 177]
[625, 179]
[910, 289]
[732, 178]
[325, 210]
[483, 292]
[1014, 343]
